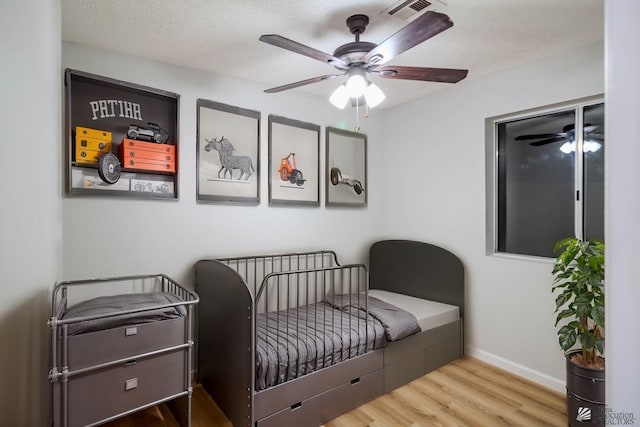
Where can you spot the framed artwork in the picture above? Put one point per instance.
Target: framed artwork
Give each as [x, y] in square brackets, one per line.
[346, 163]
[228, 153]
[121, 138]
[294, 162]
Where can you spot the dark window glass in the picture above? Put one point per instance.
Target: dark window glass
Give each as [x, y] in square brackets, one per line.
[593, 148]
[536, 190]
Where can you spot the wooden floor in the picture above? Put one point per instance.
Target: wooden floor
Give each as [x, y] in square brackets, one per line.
[466, 392]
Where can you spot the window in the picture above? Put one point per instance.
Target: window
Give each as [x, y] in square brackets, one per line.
[545, 180]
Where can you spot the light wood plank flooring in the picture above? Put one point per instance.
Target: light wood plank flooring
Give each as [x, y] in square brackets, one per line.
[466, 392]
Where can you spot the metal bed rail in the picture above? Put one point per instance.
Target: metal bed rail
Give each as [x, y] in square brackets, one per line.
[291, 317]
[253, 269]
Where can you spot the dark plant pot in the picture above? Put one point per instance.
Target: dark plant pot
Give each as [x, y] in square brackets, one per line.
[585, 395]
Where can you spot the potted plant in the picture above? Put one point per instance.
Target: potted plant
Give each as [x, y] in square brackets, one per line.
[579, 285]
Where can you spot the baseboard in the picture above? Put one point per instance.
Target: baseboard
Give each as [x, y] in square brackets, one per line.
[517, 369]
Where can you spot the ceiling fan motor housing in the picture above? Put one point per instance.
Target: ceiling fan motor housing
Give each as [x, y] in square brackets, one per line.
[354, 52]
[357, 24]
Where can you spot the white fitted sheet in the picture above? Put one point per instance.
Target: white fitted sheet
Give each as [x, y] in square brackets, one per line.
[430, 314]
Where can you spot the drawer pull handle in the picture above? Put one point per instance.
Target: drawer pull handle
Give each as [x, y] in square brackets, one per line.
[355, 381]
[130, 331]
[296, 406]
[131, 384]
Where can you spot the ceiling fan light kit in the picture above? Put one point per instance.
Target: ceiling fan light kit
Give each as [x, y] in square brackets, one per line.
[356, 59]
[372, 95]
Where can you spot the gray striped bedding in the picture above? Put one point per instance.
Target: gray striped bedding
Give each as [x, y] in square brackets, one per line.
[298, 341]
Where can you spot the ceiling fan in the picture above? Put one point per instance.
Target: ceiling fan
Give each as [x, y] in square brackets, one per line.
[360, 57]
[592, 140]
[567, 135]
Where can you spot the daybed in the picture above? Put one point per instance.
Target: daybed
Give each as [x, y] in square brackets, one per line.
[298, 339]
[119, 345]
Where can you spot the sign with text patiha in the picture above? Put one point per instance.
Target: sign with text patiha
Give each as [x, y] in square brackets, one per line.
[106, 108]
[101, 103]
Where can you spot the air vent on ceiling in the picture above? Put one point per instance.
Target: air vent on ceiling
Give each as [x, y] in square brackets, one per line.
[408, 10]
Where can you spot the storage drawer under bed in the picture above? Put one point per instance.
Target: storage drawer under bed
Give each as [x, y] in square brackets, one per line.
[275, 399]
[93, 348]
[100, 394]
[417, 355]
[328, 405]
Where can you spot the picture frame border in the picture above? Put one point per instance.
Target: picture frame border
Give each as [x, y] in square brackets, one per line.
[232, 109]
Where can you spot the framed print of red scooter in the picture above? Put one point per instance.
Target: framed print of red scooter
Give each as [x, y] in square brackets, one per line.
[294, 165]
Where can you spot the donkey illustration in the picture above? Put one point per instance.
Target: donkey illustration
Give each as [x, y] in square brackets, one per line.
[228, 161]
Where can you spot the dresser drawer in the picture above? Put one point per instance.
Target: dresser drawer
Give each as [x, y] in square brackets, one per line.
[93, 348]
[102, 394]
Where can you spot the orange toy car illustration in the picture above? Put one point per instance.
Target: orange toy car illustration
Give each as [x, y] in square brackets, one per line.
[290, 173]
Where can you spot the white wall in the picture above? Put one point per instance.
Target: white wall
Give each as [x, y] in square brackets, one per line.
[622, 206]
[107, 236]
[440, 198]
[30, 210]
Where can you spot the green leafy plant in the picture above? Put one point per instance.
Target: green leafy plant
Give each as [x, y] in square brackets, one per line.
[579, 279]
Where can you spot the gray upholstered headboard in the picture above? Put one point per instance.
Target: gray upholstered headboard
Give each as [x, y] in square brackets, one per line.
[417, 269]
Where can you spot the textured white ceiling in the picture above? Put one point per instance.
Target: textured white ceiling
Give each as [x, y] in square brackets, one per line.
[222, 36]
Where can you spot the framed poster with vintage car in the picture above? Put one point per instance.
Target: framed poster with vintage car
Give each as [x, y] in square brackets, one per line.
[122, 138]
[294, 162]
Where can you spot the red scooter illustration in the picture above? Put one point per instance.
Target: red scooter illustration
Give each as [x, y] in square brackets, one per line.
[290, 173]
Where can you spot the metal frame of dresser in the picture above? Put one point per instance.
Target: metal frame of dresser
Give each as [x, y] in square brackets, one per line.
[96, 359]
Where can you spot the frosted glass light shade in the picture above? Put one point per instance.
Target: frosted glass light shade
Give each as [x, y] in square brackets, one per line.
[568, 147]
[591, 146]
[340, 97]
[356, 84]
[373, 95]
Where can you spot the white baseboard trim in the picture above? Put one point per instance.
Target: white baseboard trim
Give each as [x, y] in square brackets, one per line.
[517, 369]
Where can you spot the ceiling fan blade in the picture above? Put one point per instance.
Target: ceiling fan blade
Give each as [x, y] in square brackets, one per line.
[302, 83]
[285, 43]
[590, 128]
[444, 75]
[422, 28]
[541, 136]
[548, 141]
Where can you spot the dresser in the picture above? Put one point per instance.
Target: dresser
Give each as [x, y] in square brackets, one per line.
[119, 345]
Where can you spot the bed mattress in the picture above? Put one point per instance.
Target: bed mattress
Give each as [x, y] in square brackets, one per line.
[429, 314]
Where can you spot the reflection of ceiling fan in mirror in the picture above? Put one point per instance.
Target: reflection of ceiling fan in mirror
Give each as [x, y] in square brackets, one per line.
[359, 57]
[592, 139]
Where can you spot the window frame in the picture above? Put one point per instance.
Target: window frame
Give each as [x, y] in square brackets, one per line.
[492, 164]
